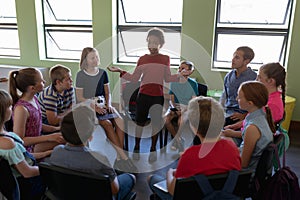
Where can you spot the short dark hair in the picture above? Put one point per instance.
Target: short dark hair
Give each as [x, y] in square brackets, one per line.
[190, 64]
[78, 125]
[248, 52]
[58, 72]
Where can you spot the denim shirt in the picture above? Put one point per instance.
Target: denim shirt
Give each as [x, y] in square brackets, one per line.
[231, 86]
[258, 118]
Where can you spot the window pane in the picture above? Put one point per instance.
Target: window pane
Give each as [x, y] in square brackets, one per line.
[132, 44]
[7, 11]
[267, 48]
[67, 30]
[10, 45]
[77, 11]
[61, 45]
[255, 11]
[9, 38]
[154, 11]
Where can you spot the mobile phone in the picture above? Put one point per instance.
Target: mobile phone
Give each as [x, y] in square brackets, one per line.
[174, 109]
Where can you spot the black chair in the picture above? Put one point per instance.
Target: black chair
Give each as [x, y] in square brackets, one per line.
[202, 89]
[63, 183]
[190, 186]
[263, 171]
[8, 184]
[129, 95]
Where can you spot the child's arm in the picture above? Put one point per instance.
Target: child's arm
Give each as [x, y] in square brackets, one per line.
[53, 118]
[252, 135]
[26, 170]
[79, 95]
[171, 180]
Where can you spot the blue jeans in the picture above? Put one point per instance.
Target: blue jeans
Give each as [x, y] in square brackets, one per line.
[126, 184]
[162, 195]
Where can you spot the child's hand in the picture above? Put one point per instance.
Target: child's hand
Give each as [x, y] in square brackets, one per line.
[56, 137]
[114, 69]
[100, 111]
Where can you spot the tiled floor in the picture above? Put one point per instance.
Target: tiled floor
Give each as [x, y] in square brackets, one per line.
[168, 158]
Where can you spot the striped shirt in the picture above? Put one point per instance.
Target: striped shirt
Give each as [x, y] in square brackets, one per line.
[51, 100]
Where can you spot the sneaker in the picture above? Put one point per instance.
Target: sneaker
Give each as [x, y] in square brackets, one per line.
[180, 145]
[174, 145]
[136, 154]
[130, 166]
[152, 156]
[118, 166]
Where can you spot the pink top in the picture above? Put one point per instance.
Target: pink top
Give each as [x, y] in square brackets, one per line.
[276, 106]
[34, 122]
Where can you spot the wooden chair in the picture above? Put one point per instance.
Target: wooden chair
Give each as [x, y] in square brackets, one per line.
[63, 183]
[8, 184]
[190, 187]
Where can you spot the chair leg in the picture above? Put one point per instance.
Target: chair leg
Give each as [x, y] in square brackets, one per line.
[126, 135]
[166, 137]
[161, 142]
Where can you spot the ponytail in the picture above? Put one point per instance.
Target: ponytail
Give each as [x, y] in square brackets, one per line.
[13, 86]
[270, 119]
[21, 80]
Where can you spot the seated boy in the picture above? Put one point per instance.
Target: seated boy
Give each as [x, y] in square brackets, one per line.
[58, 97]
[180, 94]
[213, 156]
[77, 127]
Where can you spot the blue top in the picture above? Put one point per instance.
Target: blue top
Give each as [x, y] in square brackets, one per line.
[231, 86]
[16, 154]
[83, 159]
[183, 92]
[258, 118]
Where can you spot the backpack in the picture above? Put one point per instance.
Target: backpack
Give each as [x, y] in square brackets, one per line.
[227, 191]
[283, 184]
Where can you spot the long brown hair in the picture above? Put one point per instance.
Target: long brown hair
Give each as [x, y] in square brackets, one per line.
[206, 115]
[257, 92]
[277, 72]
[6, 101]
[20, 80]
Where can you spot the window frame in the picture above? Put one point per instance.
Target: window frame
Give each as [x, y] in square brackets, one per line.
[253, 29]
[63, 26]
[9, 25]
[172, 27]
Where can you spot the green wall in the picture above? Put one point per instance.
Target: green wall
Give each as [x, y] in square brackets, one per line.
[197, 43]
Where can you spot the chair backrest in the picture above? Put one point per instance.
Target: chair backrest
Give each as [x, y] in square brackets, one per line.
[202, 89]
[263, 171]
[67, 184]
[8, 184]
[190, 186]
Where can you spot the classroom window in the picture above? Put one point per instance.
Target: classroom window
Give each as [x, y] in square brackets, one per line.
[9, 39]
[262, 25]
[67, 30]
[136, 17]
